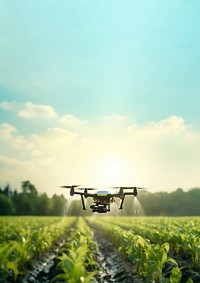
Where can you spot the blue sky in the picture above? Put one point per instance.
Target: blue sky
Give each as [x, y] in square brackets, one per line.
[100, 70]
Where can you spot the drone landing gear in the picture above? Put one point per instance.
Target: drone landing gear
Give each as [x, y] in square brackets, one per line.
[122, 201]
[83, 203]
[122, 196]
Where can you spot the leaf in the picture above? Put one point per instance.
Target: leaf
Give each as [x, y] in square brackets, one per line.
[131, 257]
[172, 261]
[14, 267]
[141, 241]
[176, 275]
[189, 280]
[165, 246]
[138, 261]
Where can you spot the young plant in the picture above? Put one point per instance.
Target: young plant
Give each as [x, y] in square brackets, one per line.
[78, 258]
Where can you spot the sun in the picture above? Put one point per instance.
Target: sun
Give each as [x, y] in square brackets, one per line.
[112, 169]
[105, 168]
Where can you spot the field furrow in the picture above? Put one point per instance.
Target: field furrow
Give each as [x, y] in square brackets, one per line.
[113, 266]
[100, 250]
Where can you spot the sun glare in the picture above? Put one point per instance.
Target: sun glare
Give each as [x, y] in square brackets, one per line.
[104, 168]
[112, 169]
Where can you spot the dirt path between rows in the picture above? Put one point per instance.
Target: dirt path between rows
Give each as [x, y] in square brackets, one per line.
[113, 265]
[44, 269]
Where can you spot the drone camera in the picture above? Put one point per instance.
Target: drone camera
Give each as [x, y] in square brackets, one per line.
[99, 208]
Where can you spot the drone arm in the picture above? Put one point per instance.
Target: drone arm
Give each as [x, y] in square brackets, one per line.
[134, 193]
[130, 194]
[82, 197]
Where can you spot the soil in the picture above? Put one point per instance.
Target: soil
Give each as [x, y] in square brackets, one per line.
[44, 269]
[185, 263]
[113, 266]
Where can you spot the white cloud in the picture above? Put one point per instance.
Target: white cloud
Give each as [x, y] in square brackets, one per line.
[71, 120]
[53, 138]
[7, 131]
[14, 171]
[163, 155]
[4, 160]
[29, 109]
[13, 139]
[172, 125]
[167, 152]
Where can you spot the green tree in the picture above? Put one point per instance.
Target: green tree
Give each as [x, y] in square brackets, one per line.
[27, 187]
[58, 203]
[24, 204]
[6, 205]
[7, 191]
[192, 205]
[44, 205]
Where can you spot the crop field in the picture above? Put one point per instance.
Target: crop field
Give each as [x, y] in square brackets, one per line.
[99, 249]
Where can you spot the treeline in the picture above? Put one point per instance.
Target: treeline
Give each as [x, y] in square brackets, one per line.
[29, 202]
[176, 203]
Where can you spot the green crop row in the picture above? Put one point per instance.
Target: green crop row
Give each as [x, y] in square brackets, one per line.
[146, 241]
[13, 228]
[182, 234]
[17, 255]
[77, 261]
[149, 258]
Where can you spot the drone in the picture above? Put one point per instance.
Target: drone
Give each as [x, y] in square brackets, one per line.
[102, 199]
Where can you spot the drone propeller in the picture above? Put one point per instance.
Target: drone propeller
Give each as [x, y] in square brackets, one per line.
[69, 187]
[75, 186]
[130, 188]
[89, 189]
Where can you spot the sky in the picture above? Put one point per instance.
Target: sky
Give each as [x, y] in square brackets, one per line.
[100, 93]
